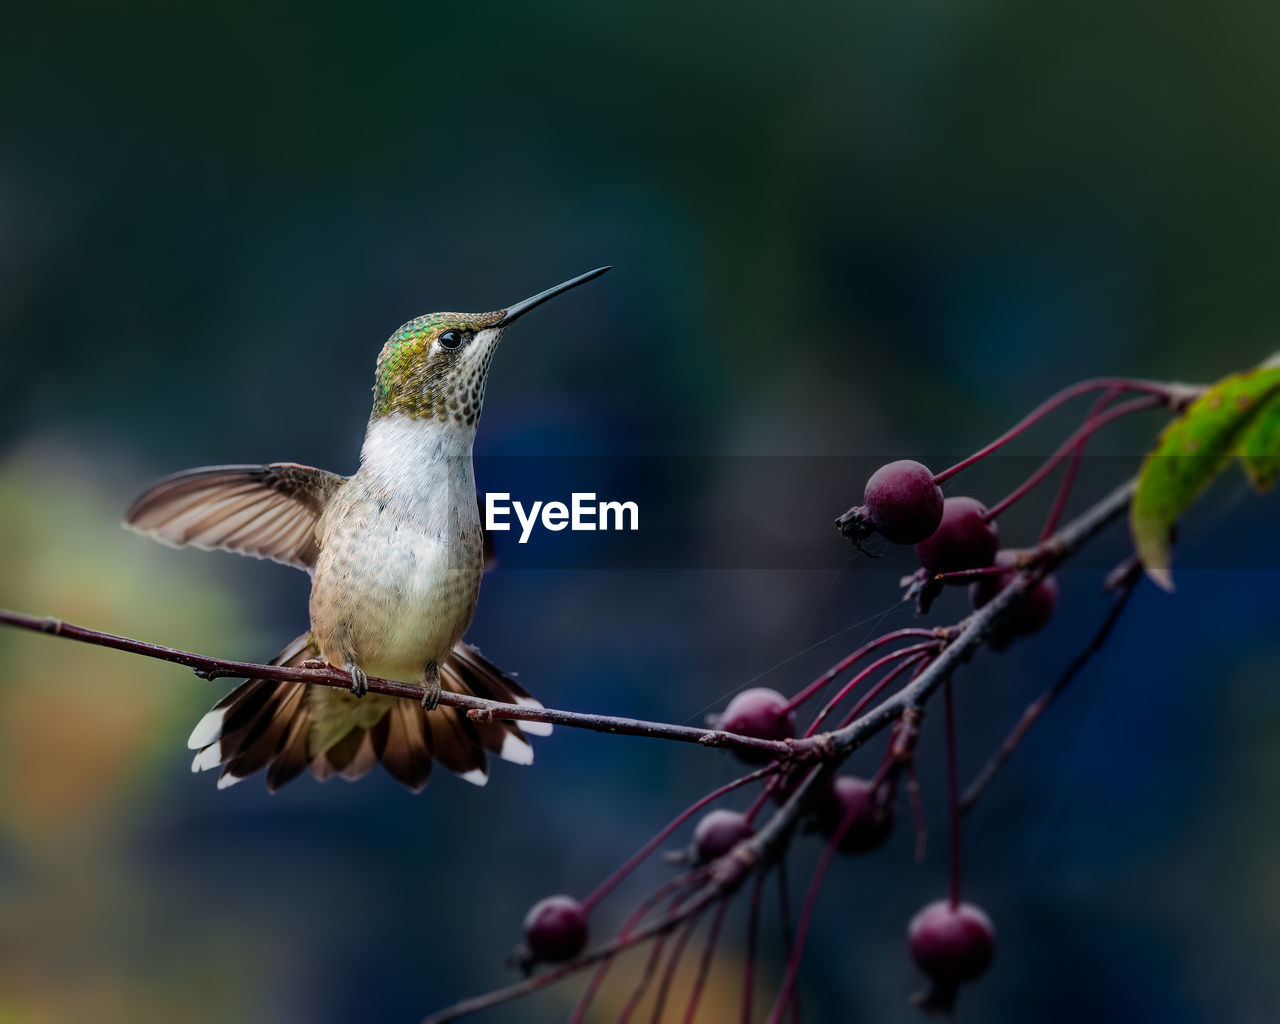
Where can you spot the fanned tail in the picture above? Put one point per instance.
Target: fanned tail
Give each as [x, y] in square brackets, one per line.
[286, 727]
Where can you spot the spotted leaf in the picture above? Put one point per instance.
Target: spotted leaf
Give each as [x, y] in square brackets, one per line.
[1260, 446]
[1238, 416]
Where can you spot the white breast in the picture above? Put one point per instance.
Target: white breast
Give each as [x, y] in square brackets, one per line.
[417, 462]
[399, 569]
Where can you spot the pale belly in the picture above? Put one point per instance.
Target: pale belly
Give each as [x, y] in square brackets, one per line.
[391, 596]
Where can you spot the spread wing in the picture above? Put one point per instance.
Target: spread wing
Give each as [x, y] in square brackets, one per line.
[265, 511]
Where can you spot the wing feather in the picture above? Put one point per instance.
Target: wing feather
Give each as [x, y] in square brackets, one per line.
[266, 511]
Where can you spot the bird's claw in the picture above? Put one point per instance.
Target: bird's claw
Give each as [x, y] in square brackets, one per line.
[359, 681]
[431, 699]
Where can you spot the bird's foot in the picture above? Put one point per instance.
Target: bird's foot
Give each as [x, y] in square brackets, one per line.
[359, 681]
[431, 699]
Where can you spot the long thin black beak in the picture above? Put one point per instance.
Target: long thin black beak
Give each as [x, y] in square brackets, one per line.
[521, 308]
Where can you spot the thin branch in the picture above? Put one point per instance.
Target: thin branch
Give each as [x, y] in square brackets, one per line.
[476, 707]
[972, 632]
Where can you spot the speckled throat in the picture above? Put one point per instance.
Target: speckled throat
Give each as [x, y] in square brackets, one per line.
[417, 377]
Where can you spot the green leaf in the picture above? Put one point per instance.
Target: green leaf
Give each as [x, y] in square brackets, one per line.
[1194, 448]
[1260, 447]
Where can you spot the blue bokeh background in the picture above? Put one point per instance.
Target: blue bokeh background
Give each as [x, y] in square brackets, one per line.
[838, 229]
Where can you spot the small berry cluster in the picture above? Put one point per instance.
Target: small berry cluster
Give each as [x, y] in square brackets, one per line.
[957, 542]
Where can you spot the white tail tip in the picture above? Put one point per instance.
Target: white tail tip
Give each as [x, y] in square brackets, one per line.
[208, 758]
[477, 777]
[208, 729]
[515, 750]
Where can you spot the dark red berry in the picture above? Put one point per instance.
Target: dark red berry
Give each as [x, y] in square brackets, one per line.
[872, 820]
[761, 713]
[903, 502]
[555, 929]
[1027, 615]
[952, 946]
[719, 832]
[963, 540]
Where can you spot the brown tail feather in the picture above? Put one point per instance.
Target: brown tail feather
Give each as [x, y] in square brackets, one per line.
[365, 758]
[353, 756]
[407, 756]
[292, 757]
[258, 745]
[264, 724]
[456, 746]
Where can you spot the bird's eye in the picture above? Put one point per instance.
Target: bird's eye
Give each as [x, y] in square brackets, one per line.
[451, 340]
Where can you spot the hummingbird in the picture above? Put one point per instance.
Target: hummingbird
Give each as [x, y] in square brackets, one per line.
[395, 553]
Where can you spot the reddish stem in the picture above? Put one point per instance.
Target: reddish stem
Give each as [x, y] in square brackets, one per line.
[1048, 406]
[593, 986]
[1073, 468]
[1031, 714]
[704, 963]
[668, 975]
[953, 794]
[917, 811]
[969, 574]
[761, 799]
[920, 660]
[475, 707]
[628, 926]
[847, 662]
[651, 963]
[875, 666]
[784, 910]
[753, 939]
[810, 902]
[646, 976]
[1090, 426]
[636, 859]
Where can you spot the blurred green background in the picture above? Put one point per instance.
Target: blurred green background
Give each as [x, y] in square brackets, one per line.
[859, 229]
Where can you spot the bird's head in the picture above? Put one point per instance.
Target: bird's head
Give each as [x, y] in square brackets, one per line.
[435, 366]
